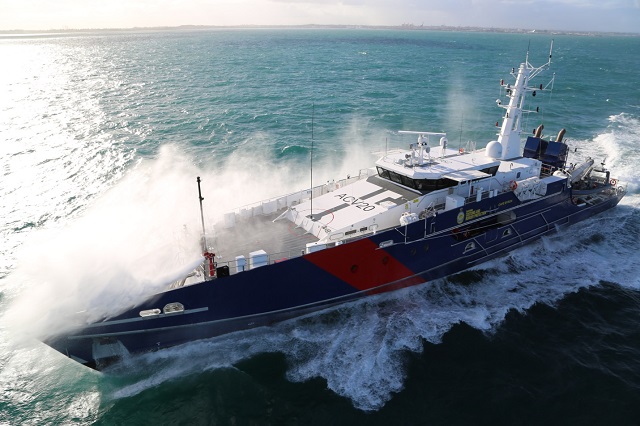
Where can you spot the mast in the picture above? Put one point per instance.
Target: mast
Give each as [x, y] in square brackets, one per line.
[509, 136]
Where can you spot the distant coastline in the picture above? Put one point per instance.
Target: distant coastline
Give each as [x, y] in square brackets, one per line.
[444, 28]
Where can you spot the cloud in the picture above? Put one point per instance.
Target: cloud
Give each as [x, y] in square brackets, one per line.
[605, 15]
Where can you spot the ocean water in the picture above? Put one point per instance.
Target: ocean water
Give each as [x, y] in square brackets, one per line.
[103, 134]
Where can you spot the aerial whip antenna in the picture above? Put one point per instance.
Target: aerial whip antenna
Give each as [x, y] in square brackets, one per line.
[200, 198]
[209, 256]
[313, 109]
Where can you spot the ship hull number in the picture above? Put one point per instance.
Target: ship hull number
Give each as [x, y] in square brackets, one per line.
[356, 202]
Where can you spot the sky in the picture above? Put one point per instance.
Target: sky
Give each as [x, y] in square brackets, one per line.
[569, 15]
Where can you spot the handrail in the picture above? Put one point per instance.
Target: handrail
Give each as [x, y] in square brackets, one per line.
[271, 259]
[303, 194]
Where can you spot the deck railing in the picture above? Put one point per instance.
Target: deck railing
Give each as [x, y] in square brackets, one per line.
[275, 257]
[275, 204]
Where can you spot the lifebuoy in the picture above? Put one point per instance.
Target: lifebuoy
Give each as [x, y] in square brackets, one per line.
[461, 150]
[613, 182]
[513, 185]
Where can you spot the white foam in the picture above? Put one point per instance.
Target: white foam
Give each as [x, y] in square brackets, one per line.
[124, 247]
[619, 144]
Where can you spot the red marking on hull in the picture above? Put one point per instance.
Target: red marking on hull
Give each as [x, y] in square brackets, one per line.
[363, 265]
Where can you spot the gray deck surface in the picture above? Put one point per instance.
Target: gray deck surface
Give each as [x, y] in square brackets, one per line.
[280, 239]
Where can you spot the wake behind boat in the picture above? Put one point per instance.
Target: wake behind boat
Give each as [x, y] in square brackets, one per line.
[420, 214]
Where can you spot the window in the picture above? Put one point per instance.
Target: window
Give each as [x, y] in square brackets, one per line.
[506, 232]
[174, 307]
[407, 181]
[424, 185]
[434, 184]
[395, 177]
[470, 246]
[490, 170]
[383, 173]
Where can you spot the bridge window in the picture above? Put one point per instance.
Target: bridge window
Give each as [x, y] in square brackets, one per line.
[383, 173]
[395, 177]
[424, 185]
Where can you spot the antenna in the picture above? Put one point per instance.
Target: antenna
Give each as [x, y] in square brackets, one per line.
[460, 140]
[536, 70]
[313, 110]
[200, 198]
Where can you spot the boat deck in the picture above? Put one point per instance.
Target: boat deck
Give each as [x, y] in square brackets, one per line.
[283, 239]
[280, 240]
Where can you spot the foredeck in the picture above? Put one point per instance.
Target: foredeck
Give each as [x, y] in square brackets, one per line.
[281, 240]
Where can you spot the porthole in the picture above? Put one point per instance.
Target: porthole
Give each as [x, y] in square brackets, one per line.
[354, 269]
[174, 307]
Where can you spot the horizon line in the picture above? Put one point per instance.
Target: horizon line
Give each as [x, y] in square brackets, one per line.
[463, 28]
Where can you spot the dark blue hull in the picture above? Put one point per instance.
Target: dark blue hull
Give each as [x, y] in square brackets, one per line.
[405, 256]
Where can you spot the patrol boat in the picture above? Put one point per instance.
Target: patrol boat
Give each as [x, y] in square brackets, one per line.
[420, 214]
